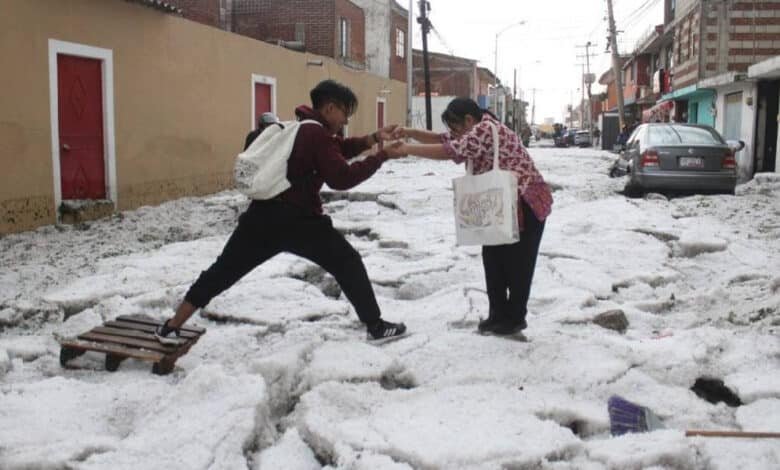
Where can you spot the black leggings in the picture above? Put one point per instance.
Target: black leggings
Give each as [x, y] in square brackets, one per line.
[268, 228]
[511, 268]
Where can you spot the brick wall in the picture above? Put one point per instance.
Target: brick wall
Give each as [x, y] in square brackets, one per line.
[450, 76]
[686, 51]
[739, 34]
[273, 20]
[398, 64]
[357, 31]
[202, 11]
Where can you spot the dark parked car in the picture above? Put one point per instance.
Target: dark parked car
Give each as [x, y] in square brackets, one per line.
[674, 156]
[565, 138]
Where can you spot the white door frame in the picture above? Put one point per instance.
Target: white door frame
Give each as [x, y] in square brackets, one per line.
[382, 100]
[106, 57]
[266, 80]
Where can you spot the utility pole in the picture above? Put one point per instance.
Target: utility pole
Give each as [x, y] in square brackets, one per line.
[533, 105]
[425, 25]
[582, 93]
[409, 64]
[617, 67]
[587, 80]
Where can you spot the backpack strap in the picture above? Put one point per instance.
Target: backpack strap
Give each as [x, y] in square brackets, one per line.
[309, 176]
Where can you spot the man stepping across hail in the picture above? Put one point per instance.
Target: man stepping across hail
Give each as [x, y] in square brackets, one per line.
[293, 221]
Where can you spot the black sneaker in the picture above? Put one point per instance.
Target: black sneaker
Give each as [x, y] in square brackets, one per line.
[509, 327]
[384, 331]
[167, 335]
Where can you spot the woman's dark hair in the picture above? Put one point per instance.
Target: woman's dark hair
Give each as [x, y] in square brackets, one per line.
[458, 109]
[331, 91]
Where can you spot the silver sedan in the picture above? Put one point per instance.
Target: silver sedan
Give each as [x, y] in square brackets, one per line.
[677, 157]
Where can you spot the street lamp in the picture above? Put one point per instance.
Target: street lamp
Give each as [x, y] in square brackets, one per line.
[495, 62]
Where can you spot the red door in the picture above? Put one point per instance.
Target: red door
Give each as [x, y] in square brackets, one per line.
[262, 99]
[80, 88]
[380, 114]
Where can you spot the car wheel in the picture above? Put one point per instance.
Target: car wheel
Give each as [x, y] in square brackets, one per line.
[632, 189]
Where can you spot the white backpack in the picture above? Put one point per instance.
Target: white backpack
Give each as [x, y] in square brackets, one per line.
[261, 170]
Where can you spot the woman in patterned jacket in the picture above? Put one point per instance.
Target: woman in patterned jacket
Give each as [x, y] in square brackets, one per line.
[509, 269]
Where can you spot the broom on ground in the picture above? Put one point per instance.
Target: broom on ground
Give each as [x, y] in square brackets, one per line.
[625, 417]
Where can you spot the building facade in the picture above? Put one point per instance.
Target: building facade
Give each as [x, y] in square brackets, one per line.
[107, 106]
[331, 28]
[712, 63]
[386, 37]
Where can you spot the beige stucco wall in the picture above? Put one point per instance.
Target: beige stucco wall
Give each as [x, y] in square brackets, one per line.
[182, 100]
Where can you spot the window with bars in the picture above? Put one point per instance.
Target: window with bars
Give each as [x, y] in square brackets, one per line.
[400, 43]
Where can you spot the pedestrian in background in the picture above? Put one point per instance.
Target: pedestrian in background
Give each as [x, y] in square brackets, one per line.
[266, 119]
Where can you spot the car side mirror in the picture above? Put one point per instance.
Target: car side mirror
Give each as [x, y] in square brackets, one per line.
[735, 145]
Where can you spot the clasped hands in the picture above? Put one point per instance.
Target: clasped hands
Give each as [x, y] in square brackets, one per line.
[394, 135]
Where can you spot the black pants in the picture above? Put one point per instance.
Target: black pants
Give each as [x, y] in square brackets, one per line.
[268, 228]
[511, 268]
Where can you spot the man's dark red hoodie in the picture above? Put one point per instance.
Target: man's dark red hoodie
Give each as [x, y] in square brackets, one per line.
[320, 157]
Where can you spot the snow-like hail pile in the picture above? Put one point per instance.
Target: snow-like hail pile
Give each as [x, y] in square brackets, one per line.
[285, 379]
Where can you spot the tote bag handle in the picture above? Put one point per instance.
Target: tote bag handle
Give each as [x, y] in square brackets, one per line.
[494, 131]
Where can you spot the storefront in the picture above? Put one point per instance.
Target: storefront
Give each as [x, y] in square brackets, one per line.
[693, 104]
[735, 115]
[659, 112]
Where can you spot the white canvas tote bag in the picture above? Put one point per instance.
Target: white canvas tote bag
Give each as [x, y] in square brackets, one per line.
[260, 171]
[486, 204]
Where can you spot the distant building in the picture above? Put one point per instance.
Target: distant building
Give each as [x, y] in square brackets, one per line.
[450, 75]
[362, 34]
[387, 37]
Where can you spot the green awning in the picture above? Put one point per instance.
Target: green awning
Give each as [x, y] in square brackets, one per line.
[691, 91]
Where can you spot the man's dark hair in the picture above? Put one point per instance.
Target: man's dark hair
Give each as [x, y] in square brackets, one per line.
[331, 91]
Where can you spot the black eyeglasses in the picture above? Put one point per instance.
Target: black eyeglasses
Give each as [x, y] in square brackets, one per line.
[342, 108]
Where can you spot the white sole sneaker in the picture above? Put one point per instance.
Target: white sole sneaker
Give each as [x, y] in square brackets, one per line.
[389, 339]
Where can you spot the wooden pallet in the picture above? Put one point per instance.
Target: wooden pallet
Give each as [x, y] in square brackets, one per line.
[130, 336]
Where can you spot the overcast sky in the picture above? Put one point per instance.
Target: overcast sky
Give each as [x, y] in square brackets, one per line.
[544, 49]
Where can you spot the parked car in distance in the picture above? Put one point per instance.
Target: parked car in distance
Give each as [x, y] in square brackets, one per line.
[582, 139]
[677, 157]
[570, 134]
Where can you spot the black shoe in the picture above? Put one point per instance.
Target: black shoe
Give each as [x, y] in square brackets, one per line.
[509, 327]
[487, 325]
[167, 335]
[383, 331]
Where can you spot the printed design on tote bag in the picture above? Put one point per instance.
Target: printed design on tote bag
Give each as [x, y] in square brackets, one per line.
[483, 209]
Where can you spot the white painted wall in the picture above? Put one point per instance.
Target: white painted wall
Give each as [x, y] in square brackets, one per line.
[378, 34]
[438, 105]
[747, 133]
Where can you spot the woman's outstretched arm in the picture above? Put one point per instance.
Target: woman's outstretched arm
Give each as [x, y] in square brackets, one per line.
[420, 135]
[400, 149]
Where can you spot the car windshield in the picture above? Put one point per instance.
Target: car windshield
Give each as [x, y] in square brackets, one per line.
[686, 135]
